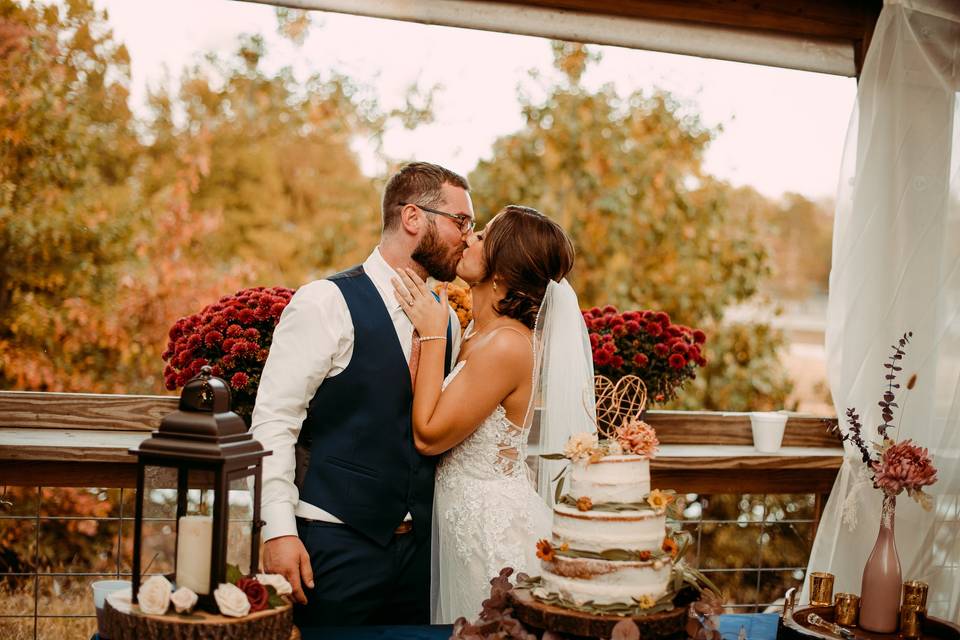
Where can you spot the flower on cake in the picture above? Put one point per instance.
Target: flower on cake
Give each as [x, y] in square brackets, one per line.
[670, 546]
[545, 550]
[183, 600]
[277, 581]
[644, 555]
[584, 503]
[646, 601]
[581, 446]
[659, 500]
[154, 596]
[231, 600]
[256, 593]
[637, 437]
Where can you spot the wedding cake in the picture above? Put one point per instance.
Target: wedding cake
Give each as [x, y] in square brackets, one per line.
[610, 550]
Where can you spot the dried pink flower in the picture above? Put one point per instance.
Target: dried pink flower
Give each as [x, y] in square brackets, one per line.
[637, 437]
[904, 465]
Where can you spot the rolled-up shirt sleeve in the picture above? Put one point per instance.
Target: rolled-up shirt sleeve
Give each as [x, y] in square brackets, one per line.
[314, 332]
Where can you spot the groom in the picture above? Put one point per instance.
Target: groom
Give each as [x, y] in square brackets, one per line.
[346, 499]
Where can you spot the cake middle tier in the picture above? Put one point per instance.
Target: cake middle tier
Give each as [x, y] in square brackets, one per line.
[624, 478]
[603, 530]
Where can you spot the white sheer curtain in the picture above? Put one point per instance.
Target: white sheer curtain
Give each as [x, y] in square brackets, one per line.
[896, 268]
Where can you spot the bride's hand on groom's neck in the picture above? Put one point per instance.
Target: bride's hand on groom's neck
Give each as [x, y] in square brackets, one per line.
[429, 317]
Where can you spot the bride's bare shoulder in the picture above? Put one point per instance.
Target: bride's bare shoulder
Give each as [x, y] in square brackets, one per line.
[507, 346]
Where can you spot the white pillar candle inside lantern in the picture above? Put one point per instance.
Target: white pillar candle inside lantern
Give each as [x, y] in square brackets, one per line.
[194, 538]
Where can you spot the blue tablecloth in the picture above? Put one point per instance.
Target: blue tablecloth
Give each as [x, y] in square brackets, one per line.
[758, 626]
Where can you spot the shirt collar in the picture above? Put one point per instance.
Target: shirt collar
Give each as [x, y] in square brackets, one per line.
[380, 273]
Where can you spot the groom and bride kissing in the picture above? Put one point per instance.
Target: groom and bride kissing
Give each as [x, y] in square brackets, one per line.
[399, 483]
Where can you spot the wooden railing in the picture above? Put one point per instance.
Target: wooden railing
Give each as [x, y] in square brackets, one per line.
[79, 439]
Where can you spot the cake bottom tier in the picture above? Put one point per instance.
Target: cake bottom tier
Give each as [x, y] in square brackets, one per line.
[606, 581]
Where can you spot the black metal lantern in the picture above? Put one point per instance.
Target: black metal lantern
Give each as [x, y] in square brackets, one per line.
[202, 449]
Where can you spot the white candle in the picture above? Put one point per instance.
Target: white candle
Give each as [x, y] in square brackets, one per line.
[194, 537]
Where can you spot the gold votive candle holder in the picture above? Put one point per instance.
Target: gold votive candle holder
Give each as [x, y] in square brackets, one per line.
[911, 621]
[821, 589]
[846, 609]
[915, 593]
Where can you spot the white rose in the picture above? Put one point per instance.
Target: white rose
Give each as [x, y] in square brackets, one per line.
[231, 600]
[183, 600]
[580, 446]
[154, 596]
[277, 581]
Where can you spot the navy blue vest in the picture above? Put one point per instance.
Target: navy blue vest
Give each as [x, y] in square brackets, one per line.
[363, 466]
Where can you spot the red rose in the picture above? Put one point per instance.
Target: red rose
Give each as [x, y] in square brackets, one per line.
[594, 340]
[641, 360]
[677, 361]
[662, 318]
[609, 309]
[239, 380]
[234, 330]
[699, 336]
[661, 349]
[610, 348]
[654, 329]
[213, 338]
[616, 362]
[256, 593]
[632, 326]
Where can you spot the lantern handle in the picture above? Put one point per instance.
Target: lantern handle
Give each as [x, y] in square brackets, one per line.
[204, 390]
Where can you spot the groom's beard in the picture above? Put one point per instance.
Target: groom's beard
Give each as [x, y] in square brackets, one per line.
[438, 259]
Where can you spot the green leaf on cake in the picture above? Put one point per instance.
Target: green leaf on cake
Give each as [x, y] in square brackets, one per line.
[233, 573]
[556, 494]
[553, 456]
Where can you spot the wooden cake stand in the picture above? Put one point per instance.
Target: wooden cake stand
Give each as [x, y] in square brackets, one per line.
[124, 621]
[668, 625]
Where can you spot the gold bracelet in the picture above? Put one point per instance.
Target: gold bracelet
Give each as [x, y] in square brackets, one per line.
[426, 338]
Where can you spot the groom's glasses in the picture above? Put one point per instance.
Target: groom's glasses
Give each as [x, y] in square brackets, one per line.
[463, 221]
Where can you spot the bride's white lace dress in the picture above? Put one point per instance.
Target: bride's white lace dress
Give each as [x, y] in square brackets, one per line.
[487, 515]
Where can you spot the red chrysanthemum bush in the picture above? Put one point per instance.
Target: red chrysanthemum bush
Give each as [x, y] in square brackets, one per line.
[645, 344]
[233, 336]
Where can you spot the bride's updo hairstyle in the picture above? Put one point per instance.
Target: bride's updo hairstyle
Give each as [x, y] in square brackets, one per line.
[524, 250]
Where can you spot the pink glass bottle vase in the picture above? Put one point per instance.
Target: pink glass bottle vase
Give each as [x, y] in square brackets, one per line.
[880, 589]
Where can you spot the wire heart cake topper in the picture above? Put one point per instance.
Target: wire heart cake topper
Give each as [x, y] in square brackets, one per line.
[618, 402]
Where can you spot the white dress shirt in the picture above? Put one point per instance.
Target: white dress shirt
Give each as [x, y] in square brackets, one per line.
[312, 341]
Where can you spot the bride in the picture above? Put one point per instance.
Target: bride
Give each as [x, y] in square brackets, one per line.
[525, 355]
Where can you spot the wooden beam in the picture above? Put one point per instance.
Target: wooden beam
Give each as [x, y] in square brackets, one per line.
[98, 411]
[815, 19]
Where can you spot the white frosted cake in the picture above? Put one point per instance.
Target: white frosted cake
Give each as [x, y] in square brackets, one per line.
[609, 543]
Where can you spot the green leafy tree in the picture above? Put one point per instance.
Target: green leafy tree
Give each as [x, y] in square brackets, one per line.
[624, 177]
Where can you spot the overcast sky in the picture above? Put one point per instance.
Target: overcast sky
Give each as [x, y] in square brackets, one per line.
[782, 130]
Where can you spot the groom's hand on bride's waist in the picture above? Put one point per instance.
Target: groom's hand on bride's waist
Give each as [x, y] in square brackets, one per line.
[287, 556]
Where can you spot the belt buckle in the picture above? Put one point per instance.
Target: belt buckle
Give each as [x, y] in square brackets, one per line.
[404, 527]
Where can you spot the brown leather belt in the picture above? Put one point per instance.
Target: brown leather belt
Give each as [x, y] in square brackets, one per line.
[405, 527]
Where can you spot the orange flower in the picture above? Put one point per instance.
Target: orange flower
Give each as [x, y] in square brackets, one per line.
[670, 546]
[565, 547]
[645, 555]
[545, 550]
[637, 437]
[584, 503]
[659, 500]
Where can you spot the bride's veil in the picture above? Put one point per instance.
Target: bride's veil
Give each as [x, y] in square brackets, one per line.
[563, 401]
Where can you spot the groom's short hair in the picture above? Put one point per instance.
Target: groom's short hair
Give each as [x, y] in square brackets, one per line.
[417, 183]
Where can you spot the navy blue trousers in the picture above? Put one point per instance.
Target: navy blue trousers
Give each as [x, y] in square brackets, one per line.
[358, 582]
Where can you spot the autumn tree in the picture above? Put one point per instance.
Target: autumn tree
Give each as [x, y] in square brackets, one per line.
[624, 177]
[67, 150]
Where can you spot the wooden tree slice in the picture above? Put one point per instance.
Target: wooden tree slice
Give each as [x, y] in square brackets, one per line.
[666, 625]
[124, 621]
